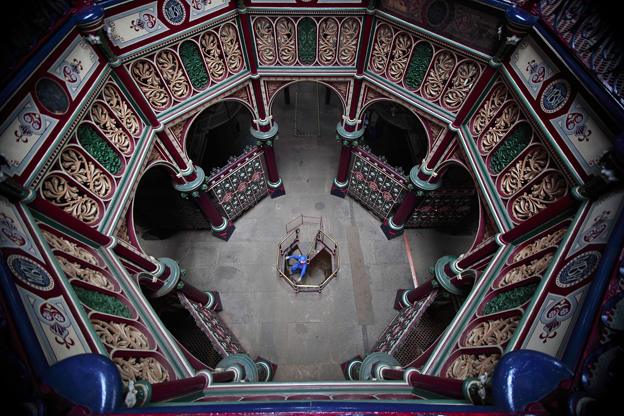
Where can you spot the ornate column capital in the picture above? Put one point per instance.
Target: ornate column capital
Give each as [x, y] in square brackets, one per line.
[421, 184]
[265, 137]
[192, 189]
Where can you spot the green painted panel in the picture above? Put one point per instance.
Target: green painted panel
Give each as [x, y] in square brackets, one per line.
[97, 147]
[510, 299]
[421, 57]
[306, 36]
[513, 145]
[102, 303]
[194, 64]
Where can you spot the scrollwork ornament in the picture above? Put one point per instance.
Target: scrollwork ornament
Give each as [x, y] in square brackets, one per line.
[460, 85]
[121, 109]
[68, 247]
[472, 365]
[381, 48]
[400, 55]
[231, 48]
[348, 40]
[145, 74]
[108, 124]
[490, 107]
[85, 172]
[172, 73]
[265, 41]
[141, 368]
[120, 335]
[524, 170]
[541, 194]
[499, 128]
[77, 271]
[286, 40]
[544, 243]
[212, 56]
[440, 72]
[328, 39]
[58, 191]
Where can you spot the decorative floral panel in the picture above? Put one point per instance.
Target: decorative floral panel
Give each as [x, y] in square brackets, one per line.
[439, 75]
[179, 71]
[498, 310]
[306, 41]
[525, 173]
[112, 315]
[83, 177]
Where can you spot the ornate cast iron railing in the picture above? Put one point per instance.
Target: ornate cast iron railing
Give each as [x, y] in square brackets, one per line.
[241, 184]
[374, 183]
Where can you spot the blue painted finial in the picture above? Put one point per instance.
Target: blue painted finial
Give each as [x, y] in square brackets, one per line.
[520, 17]
[90, 14]
[523, 377]
[89, 380]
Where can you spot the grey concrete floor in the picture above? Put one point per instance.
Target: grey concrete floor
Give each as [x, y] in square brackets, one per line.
[307, 334]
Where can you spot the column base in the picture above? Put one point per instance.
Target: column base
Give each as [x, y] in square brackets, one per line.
[214, 304]
[266, 369]
[338, 189]
[400, 300]
[351, 368]
[224, 231]
[276, 189]
[442, 275]
[391, 230]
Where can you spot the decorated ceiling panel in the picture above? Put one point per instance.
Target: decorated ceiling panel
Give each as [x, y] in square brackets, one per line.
[84, 176]
[459, 21]
[565, 113]
[525, 173]
[180, 71]
[441, 76]
[306, 40]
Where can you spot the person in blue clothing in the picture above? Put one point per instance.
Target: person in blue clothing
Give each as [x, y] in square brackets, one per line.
[301, 264]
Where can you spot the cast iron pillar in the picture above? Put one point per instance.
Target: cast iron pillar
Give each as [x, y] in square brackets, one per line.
[394, 225]
[265, 138]
[349, 138]
[194, 186]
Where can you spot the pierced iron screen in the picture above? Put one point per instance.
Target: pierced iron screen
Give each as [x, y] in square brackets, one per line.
[240, 185]
[374, 184]
[418, 339]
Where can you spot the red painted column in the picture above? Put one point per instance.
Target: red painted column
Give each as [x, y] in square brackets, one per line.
[265, 136]
[480, 252]
[144, 392]
[547, 215]
[193, 186]
[343, 164]
[449, 387]
[264, 129]
[405, 298]
[348, 137]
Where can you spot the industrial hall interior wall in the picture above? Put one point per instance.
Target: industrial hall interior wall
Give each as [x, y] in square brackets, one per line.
[526, 96]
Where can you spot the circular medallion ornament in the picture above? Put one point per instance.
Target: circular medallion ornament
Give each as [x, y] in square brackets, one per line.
[578, 269]
[52, 96]
[438, 12]
[555, 96]
[174, 12]
[30, 273]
